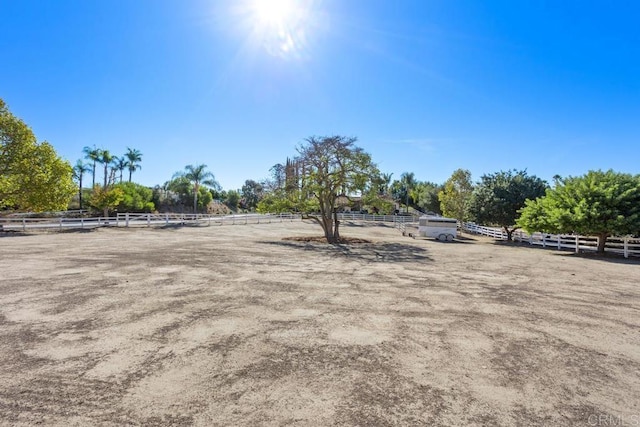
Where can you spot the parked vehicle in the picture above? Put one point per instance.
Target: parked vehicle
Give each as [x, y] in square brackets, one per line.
[438, 227]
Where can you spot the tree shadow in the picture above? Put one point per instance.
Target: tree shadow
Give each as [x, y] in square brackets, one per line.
[20, 233]
[370, 252]
[463, 238]
[455, 241]
[179, 225]
[606, 257]
[566, 252]
[78, 230]
[14, 233]
[365, 224]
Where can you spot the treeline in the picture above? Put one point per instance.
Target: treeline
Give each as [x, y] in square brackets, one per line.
[598, 203]
[326, 176]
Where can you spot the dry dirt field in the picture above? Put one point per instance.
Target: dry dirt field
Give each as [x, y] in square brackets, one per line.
[233, 326]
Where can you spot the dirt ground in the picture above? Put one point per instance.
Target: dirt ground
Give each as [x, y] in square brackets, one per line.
[233, 326]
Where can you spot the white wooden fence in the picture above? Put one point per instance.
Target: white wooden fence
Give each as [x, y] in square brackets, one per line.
[137, 219]
[160, 219]
[626, 246]
[28, 223]
[148, 219]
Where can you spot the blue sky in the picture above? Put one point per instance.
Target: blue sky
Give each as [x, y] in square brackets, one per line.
[427, 86]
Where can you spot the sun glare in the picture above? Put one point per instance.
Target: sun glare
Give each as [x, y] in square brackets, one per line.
[274, 12]
[280, 27]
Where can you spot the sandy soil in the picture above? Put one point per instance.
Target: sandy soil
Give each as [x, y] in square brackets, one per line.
[221, 326]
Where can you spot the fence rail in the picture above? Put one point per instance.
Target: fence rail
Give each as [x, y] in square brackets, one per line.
[146, 219]
[625, 245]
[136, 220]
[24, 223]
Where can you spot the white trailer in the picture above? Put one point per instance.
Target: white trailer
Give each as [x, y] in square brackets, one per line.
[438, 227]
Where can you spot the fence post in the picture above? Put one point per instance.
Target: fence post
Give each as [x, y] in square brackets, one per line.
[126, 219]
[166, 218]
[626, 246]
[544, 240]
[81, 222]
[24, 224]
[559, 246]
[148, 220]
[60, 223]
[577, 243]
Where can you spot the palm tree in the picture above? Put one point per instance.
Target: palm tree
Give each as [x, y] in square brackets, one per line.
[120, 164]
[79, 169]
[409, 182]
[92, 154]
[105, 158]
[385, 182]
[198, 175]
[133, 157]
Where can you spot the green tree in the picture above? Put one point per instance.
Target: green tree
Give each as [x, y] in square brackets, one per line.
[282, 201]
[232, 199]
[275, 202]
[378, 203]
[163, 198]
[378, 198]
[599, 204]
[425, 197]
[252, 192]
[134, 157]
[135, 198]
[105, 198]
[197, 176]
[32, 176]
[408, 180]
[217, 193]
[180, 192]
[333, 166]
[79, 169]
[278, 177]
[498, 197]
[456, 195]
[204, 198]
[384, 184]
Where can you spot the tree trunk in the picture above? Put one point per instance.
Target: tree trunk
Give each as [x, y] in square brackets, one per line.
[329, 227]
[195, 199]
[336, 224]
[80, 192]
[602, 241]
[327, 224]
[509, 234]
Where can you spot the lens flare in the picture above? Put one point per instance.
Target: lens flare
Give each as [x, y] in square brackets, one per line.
[280, 27]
